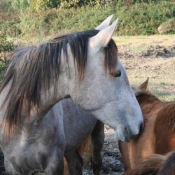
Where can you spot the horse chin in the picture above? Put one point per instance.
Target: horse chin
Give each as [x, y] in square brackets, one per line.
[123, 137]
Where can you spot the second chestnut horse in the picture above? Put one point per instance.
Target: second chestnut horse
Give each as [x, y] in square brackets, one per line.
[158, 136]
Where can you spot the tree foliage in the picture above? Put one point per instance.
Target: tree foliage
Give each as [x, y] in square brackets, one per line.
[59, 4]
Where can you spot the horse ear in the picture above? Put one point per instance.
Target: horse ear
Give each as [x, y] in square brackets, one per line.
[103, 37]
[144, 85]
[105, 23]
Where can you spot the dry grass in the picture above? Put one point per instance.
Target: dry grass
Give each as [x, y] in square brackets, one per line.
[159, 68]
[137, 41]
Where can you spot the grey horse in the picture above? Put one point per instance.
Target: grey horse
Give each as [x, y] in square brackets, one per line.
[83, 66]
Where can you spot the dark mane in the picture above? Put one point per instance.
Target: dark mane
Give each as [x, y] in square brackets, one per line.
[32, 68]
[144, 95]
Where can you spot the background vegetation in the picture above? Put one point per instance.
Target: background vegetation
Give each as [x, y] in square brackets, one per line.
[6, 47]
[46, 17]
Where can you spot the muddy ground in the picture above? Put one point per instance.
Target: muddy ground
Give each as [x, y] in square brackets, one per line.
[156, 61]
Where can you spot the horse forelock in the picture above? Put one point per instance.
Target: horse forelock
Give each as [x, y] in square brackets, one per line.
[32, 67]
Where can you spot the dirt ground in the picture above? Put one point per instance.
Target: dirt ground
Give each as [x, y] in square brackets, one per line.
[144, 56]
[153, 57]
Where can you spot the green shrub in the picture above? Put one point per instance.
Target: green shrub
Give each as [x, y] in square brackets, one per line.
[8, 18]
[5, 46]
[136, 17]
[167, 26]
[3, 68]
[143, 18]
[51, 21]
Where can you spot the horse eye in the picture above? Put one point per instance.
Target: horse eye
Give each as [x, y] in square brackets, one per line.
[116, 74]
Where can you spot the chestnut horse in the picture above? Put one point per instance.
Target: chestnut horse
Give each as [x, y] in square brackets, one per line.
[158, 136]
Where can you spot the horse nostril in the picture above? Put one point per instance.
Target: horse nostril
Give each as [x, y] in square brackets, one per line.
[142, 127]
[131, 134]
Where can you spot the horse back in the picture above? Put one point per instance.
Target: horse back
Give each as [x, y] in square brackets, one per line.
[164, 129]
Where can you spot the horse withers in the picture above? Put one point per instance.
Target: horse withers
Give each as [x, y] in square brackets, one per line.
[83, 66]
[158, 136]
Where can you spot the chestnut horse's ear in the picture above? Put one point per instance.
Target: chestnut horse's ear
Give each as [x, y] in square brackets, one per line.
[144, 85]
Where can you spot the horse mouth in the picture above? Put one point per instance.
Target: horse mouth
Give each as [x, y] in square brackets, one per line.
[127, 139]
[124, 137]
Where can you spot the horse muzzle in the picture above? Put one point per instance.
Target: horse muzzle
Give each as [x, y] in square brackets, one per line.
[129, 133]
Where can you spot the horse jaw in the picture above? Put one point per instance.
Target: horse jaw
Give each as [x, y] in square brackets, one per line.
[123, 118]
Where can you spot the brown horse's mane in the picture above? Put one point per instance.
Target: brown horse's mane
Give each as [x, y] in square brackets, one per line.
[148, 97]
[32, 67]
[145, 95]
